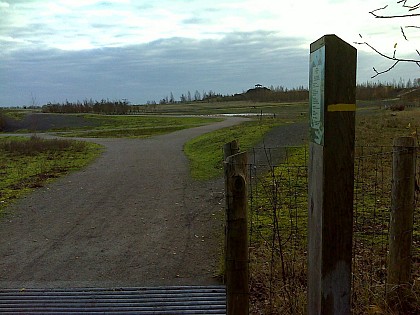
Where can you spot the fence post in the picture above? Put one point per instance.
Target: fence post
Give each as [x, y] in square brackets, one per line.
[332, 99]
[236, 256]
[402, 211]
[230, 148]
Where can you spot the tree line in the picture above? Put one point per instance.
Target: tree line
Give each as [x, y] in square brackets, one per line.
[118, 107]
[188, 97]
[379, 91]
[272, 94]
[364, 91]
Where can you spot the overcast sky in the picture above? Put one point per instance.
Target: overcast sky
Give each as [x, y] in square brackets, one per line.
[53, 50]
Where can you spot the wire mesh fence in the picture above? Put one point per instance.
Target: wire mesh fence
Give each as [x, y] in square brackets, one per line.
[373, 175]
[278, 223]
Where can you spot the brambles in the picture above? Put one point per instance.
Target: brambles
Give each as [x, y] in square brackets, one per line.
[399, 107]
[35, 145]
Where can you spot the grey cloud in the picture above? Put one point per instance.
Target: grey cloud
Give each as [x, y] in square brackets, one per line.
[150, 71]
[195, 21]
[212, 10]
[105, 4]
[34, 30]
[366, 62]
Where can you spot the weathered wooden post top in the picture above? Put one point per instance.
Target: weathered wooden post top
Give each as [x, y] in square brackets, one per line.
[332, 98]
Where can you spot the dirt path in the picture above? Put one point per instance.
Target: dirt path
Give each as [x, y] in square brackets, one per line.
[133, 218]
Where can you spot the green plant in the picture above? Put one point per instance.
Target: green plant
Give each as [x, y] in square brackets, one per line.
[205, 152]
[278, 277]
[28, 163]
[134, 126]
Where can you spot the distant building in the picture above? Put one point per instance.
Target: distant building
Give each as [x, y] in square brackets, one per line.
[258, 86]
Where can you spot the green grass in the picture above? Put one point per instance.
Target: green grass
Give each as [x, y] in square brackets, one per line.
[292, 110]
[134, 126]
[283, 190]
[205, 152]
[29, 163]
[383, 126]
[278, 217]
[16, 114]
[126, 133]
[286, 194]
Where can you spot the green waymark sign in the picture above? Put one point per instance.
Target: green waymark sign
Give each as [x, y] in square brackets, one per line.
[316, 95]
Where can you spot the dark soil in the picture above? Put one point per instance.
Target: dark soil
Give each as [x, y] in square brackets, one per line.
[42, 122]
[132, 218]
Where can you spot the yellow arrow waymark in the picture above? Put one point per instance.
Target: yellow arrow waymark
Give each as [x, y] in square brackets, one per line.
[341, 107]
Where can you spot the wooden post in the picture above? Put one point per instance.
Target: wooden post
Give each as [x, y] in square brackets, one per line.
[236, 256]
[402, 211]
[331, 175]
[230, 148]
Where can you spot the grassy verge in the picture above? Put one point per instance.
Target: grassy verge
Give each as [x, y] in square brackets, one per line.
[278, 222]
[278, 242]
[381, 127]
[205, 152]
[291, 110]
[16, 114]
[28, 163]
[134, 126]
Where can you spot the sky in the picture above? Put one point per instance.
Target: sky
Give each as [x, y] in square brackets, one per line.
[57, 50]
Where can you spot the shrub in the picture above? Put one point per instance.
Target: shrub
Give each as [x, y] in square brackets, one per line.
[35, 145]
[2, 121]
[399, 107]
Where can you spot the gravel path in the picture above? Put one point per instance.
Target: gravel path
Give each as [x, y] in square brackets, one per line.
[132, 218]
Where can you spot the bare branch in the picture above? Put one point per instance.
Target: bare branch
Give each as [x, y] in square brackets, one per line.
[393, 16]
[410, 7]
[394, 57]
[386, 56]
[404, 5]
[402, 31]
[385, 71]
[371, 12]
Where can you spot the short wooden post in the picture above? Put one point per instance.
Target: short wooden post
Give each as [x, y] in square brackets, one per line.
[230, 148]
[402, 211]
[236, 256]
[331, 175]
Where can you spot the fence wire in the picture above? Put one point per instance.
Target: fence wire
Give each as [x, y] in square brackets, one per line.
[278, 202]
[372, 202]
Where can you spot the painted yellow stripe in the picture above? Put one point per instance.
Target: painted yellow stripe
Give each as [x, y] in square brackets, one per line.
[341, 107]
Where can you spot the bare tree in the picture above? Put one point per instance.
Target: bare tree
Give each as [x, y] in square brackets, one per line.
[380, 14]
[197, 96]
